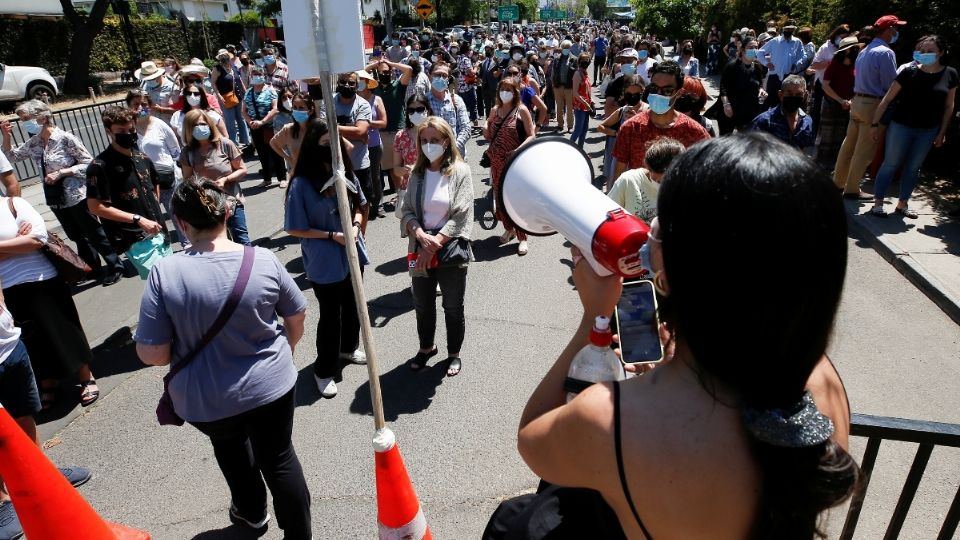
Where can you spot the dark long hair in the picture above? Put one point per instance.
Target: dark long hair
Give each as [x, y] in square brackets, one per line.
[775, 208]
[204, 104]
[311, 106]
[314, 163]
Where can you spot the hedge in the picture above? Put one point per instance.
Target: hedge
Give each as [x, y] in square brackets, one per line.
[45, 42]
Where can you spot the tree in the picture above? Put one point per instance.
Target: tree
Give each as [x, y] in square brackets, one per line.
[85, 29]
[598, 9]
[678, 19]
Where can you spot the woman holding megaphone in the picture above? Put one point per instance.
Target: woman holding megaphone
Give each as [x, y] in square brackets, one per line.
[438, 218]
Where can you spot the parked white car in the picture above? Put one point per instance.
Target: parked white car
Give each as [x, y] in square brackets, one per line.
[24, 82]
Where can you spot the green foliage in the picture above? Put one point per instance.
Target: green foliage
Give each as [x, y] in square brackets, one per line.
[668, 17]
[251, 18]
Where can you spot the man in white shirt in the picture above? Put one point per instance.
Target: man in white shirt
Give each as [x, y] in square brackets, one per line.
[784, 55]
[11, 187]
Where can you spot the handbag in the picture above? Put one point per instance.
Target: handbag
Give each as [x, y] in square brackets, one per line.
[230, 100]
[69, 265]
[147, 252]
[166, 414]
[455, 252]
[166, 176]
[485, 158]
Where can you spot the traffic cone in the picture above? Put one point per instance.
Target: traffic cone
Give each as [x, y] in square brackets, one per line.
[399, 515]
[49, 508]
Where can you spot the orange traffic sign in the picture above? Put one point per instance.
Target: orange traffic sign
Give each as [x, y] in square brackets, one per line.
[424, 8]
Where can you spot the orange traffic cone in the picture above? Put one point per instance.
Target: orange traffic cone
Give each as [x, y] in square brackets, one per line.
[49, 508]
[399, 515]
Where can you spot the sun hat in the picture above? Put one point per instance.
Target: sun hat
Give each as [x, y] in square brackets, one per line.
[148, 71]
[366, 76]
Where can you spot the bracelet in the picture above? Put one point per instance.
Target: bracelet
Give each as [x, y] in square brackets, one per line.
[329, 235]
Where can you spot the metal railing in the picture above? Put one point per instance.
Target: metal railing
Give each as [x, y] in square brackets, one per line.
[927, 435]
[84, 122]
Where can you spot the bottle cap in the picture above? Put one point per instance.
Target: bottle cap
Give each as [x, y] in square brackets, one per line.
[601, 335]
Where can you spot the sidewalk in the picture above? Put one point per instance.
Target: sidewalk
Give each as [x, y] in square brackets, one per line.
[926, 250]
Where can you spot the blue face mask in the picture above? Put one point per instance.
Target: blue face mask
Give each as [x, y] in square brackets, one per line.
[751, 54]
[924, 59]
[259, 62]
[201, 133]
[896, 36]
[415, 54]
[269, 60]
[32, 126]
[628, 69]
[658, 104]
[300, 116]
[440, 84]
[643, 54]
[257, 80]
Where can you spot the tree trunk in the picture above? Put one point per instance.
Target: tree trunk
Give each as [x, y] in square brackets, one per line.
[85, 30]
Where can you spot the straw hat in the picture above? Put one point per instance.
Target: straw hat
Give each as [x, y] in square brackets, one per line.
[148, 71]
[848, 43]
[193, 69]
[368, 78]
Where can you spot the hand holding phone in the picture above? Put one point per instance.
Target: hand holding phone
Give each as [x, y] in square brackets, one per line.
[637, 323]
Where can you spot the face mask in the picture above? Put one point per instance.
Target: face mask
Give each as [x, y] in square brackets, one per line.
[269, 60]
[287, 104]
[751, 54]
[417, 118]
[896, 36]
[259, 62]
[454, 50]
[791, 104]
[300, 116]
[506, 97]
[688, 50]
[435, 58]
[643, 54]
[125, 140]
[632, 99]
[385, 77]
[517, 57]
[415, 54]
[143, 112]
[658, 104]
[837, 41]
[32, 126]
[684, 103]
[628, 69]
[924, 59]
[489, 54]
[361, 86]
[347, 92]
[201, 132]
[440, 84]
[584, 64]
[565, 52]
[168, 70]
[257, 80]
[433, 151]
[787, 35]
[194, 100]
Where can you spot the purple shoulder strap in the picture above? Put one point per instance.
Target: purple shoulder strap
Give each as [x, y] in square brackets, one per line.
[246, 267]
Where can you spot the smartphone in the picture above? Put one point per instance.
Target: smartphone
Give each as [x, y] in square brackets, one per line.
[637, 323]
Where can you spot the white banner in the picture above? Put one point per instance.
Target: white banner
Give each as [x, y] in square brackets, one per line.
[322, 36]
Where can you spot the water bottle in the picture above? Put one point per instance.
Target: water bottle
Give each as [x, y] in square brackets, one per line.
[595, 362]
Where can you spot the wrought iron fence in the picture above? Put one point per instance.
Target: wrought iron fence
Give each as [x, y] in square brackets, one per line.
[84, 122]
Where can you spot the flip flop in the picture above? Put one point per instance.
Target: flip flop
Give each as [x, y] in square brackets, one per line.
[419, 361]
[454, 365]
[88, 397]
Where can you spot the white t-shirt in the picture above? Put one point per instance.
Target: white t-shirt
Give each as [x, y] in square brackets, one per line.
[643, 70]
[5, 167]
[636, 193]
[160, 143]
[436, 199]
[176, 121]
[24, 267]
[9, 333]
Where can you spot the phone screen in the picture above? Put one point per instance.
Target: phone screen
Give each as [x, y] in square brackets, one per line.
[637, 323]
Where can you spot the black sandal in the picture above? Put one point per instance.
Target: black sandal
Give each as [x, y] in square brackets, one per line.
[419, 361]
[88, 397]
[454, 365]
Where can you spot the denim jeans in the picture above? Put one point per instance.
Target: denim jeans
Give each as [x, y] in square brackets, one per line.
[237, 225]
[470, 101]
[453, 286]
[259, 442]
[236, 127]
[906, 148]
[581, 123]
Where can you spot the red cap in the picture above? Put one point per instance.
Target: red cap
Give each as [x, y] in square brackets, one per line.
[887, 21]
[600, 335]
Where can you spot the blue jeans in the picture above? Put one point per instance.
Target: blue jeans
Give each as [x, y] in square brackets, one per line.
[906, 148]
[237, 225]
[581, 121]
[470, 101]
[235, 125]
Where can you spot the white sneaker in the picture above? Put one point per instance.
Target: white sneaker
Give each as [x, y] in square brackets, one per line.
[522, 248]
[358, 357]
[439, 292]
[327, 387]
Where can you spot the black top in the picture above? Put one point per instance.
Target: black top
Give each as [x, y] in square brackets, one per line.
[623, 475]
[126, 183]
[923, 96]
[741, 84]
[615, 89]
[227, 80]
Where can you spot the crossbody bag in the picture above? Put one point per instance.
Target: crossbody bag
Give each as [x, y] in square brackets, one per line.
[455, 252]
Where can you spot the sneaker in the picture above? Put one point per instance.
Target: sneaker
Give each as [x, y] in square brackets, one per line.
[522, 248]
[877, 211]
[906, 212]
[235, 517]
[77, 476]
[357, 357]
[439, 292]
[10, 528]
[327, 387]
[381, 213]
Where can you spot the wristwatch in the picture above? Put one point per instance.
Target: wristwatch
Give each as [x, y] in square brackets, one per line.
[136, 219]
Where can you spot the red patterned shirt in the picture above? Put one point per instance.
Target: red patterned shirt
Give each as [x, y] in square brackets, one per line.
[638, 133]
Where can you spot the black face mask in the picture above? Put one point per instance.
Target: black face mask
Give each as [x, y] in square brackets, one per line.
[791, 104]
[787, 35]
[385, 77]
[632, 99]
[347, 91]
[584, 64]
[489, 54]
[684, 103]
[688, 50]
[125, 140]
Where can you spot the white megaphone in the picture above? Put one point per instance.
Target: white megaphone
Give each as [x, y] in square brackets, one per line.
[547, 187]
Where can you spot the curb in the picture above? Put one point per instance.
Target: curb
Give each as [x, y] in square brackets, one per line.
[910, 268]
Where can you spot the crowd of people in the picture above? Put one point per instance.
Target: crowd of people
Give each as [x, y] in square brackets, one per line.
[179, 149]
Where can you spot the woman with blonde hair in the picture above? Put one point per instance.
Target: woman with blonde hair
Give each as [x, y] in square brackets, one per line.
[509, 125]
[209, 154]
[438, 217]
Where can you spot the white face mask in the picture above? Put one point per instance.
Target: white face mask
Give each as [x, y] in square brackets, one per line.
[193, 100]
[417, 118]
[433, 151]
[506, 97]
[287, 104]
[517, 57]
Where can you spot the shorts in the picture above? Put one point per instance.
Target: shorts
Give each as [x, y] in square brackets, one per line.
[18, 387]
[388, 160]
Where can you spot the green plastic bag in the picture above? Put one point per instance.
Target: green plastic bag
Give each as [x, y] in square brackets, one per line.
[148, 252]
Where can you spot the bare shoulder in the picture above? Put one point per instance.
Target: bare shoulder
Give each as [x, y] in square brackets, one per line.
[831, 398]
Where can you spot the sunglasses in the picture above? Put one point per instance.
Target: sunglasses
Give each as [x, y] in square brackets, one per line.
[632, 94]
[193, 94]
[416, 109]
[347, 83]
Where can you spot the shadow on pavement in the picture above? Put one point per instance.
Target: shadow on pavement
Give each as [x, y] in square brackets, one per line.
[392, 268]
[489, 249]
[404, 391]
[385, 307]
[230, 533]
[279, 243]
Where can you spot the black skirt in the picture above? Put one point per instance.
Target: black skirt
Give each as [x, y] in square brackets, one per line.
[50, 327]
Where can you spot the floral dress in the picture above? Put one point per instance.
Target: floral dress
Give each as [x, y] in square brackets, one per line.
[505, 140]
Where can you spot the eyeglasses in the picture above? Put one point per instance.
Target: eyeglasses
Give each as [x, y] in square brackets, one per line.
[348, 84]
[415, 110]
[663, 91]
[193, 93]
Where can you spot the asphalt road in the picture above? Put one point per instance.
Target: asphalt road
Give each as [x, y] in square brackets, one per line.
[897, 352]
